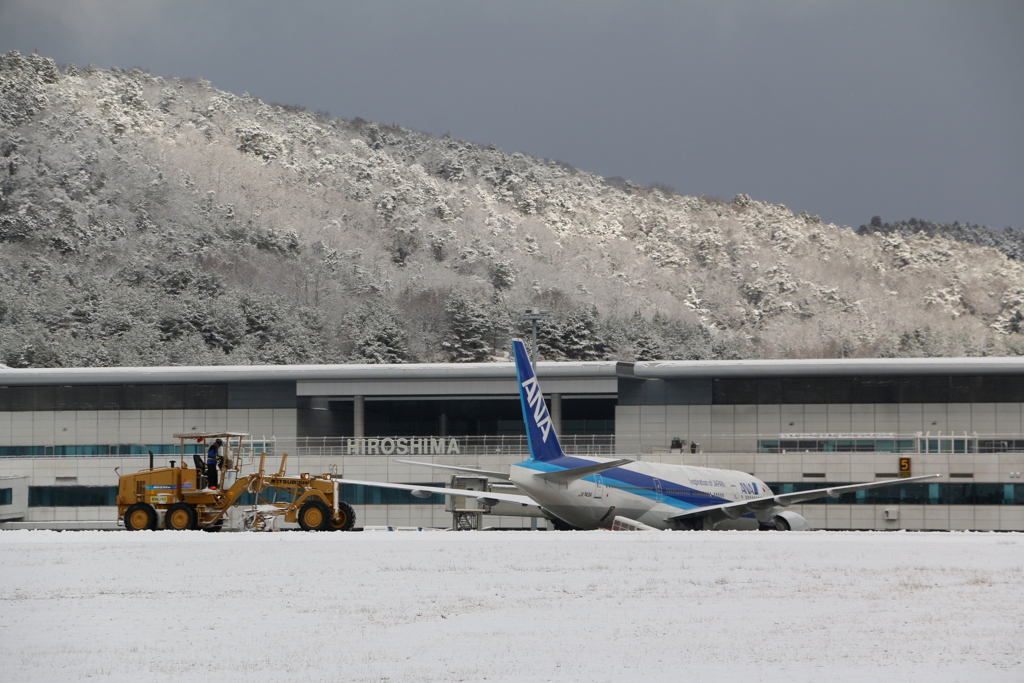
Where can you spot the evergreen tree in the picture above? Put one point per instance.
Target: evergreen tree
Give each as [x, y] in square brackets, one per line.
[644, 339]
[377, 334]
[469, 329]
[1011, 318]
[574, 335]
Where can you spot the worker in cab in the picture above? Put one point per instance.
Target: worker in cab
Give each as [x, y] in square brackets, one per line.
[213, 461]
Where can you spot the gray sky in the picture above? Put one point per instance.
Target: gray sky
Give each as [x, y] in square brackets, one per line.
[846, 109]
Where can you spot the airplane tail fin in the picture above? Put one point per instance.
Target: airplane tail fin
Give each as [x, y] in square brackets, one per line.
[540, 430]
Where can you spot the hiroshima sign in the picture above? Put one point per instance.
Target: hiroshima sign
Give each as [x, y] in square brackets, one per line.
[401, 445]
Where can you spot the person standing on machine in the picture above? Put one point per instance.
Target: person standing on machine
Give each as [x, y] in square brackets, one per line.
[213, 459]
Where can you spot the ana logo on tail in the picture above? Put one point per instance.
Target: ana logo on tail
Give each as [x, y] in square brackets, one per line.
[535, 400]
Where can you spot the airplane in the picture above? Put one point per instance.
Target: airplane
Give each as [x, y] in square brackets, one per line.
[584, 492]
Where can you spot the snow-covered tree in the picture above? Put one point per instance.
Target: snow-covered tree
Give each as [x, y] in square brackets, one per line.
[1011, 317]
[469, 329]
[377, 334]
[572, 335]
[153, 221]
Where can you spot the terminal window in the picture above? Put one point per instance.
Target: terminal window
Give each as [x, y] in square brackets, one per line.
[114, 397]
[818, 390]
[826, 445]
[916, 494]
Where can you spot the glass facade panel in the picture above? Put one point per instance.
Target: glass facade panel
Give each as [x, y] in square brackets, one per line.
[43, 398]
[353, 494]
[469, 417]
[81, 450]
[102, 449]
[854, 445]
[6, 496]
[1000, 446]
[21, 451]
[99, 397]
[583, 416]
[356, 494]
[114, 397]
[915, 494]
[177, 396]
[71, 496]
[64, 398]
[207, 397]
[990, 494]
[816, 390]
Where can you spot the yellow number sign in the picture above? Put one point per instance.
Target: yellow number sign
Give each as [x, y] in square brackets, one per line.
[904, 467]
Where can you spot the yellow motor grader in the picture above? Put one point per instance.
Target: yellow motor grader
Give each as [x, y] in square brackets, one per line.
[180, 497]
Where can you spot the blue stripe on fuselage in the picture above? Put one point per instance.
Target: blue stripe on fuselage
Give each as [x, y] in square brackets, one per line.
[683, 497]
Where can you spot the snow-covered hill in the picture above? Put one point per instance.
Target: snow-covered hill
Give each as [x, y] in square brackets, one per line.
[146, 221]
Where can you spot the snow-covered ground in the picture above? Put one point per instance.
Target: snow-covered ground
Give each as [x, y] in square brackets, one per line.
[512, 606]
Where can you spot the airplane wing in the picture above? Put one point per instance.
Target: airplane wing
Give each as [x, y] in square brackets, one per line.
[484, 473]
[484, 496]
[565, 476]
[737, 509]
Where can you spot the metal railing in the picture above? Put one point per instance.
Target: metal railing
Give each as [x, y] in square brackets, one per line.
[593, 444]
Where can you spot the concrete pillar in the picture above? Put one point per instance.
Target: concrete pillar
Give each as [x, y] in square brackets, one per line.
[358, 416]
[443, 425]
[556, 413]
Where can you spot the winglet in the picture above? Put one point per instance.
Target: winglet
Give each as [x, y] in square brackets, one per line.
[540, 430]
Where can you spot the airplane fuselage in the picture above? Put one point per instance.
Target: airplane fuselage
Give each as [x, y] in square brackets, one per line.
[644, 491]
[593, 493]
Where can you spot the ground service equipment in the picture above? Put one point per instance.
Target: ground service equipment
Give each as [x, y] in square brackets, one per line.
[179, 497]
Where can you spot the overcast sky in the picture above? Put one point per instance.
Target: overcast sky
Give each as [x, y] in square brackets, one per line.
[846, 109]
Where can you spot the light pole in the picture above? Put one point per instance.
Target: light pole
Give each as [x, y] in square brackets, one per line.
[533, 316]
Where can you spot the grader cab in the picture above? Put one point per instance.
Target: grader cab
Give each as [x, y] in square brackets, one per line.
[179, 497]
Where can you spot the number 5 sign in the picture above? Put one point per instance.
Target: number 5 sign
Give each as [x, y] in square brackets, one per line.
[904, 467]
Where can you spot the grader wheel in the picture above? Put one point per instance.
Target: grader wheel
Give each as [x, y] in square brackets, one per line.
[345, 520]
[314, 516]
[181, 516]
[140, 516]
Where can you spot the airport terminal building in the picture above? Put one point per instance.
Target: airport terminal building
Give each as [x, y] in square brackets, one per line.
[795, 424]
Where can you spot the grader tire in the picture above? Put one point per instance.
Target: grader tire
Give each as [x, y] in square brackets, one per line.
[314, 516]
[140, 516]
[181, 516]
[346, 518]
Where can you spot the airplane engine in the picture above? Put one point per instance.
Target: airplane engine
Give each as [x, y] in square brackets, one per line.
[790, 521]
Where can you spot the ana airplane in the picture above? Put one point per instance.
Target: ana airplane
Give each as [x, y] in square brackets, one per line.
[585, 492]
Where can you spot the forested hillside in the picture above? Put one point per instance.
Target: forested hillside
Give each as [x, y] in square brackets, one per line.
[1009, 241]
[146, 221]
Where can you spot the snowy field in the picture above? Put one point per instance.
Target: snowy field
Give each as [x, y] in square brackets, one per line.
[513, 606]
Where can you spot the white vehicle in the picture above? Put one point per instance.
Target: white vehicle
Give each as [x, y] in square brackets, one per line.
[590, 493]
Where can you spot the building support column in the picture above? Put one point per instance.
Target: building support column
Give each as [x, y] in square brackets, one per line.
[556, 413]
[358, 416]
